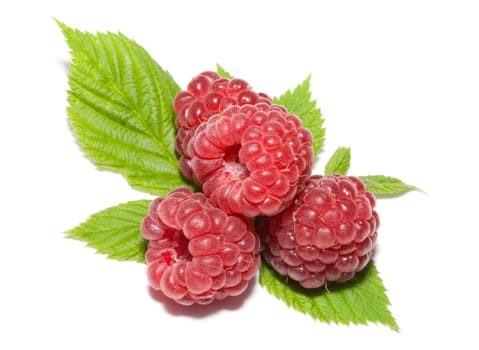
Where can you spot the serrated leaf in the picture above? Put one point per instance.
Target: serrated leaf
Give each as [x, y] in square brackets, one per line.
[120, 109]
[386, 186]
[362, 300]
[339, 162]
[299, 102]
[115, 231]
[223, 73]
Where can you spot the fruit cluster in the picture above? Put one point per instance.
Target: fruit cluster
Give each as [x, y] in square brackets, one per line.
[253, 160]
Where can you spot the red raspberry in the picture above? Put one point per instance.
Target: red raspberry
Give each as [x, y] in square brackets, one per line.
[208, 94]
[196, 252]
[328, 234]
[251, 160]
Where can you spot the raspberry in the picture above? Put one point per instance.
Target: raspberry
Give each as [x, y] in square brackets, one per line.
[208, 94]
[327, 234]
[196, 252]
[251, 159]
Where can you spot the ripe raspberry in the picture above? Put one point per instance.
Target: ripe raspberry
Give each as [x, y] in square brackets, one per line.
[328, 234]
[208, 94]
[251, 160]
[196, 252]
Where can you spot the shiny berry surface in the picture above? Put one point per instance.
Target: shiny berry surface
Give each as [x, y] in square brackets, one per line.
[208, 94]
[251, 159]
[328, 233]
[196, 252]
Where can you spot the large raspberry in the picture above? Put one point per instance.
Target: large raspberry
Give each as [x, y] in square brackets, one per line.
[208, 94]
[328, 234]
[251, 159]
[196, 252]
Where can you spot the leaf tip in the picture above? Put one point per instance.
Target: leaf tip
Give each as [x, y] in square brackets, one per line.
[222, 72]
[387, 186]
[58, 22]
[64, 28]
[339, 162]
[71, 233]
[418, 189]
[308, 78]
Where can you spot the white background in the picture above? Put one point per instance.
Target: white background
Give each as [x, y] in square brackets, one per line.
[398, 82]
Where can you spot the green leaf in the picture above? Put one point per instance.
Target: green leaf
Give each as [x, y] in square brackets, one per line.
[362, 300]
[339, 162]
[222, 72]
[299, 102]
[120, 109]
[386, 186]
[116, 231]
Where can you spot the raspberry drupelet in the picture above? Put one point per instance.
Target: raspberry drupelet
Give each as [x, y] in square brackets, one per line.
[327, 234]
[197, 253]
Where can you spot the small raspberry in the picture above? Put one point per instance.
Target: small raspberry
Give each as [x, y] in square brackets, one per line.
[327, 234]
[251, 160]
[208, 94]
[196, 252]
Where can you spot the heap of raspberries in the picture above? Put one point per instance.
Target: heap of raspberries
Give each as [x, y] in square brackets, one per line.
[253, 161]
